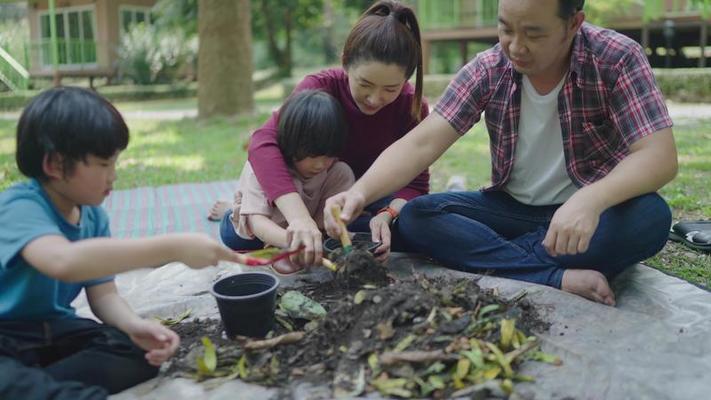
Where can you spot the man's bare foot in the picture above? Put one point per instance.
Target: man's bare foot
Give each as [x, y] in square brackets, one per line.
[588, 283]
[218, 210]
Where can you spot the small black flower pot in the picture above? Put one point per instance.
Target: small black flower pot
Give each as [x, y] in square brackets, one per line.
[246, 302]
[360, 240]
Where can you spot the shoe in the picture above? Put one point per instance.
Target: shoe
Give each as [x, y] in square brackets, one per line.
[693, 234]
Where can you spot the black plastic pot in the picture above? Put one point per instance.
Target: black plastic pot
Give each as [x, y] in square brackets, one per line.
[246, 302]
[360, 240]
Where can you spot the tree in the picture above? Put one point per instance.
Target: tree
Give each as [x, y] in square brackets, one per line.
[600, 11]
[224, 58]
[276, 21]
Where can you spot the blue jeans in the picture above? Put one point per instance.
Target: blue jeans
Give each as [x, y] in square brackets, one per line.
[492, 232]
[73, 358]
[361, 224]
[231, 239]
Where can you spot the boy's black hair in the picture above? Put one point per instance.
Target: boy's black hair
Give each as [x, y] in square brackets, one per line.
[71, 122]
[568, 8]
[311, 124]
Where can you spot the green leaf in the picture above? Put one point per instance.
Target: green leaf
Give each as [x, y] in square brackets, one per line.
[487, 309]
[545, 357]
[475, 356]
[500, 358]
[404, 343]
[435, 368]
[170, 321]
[265, 253]
[296, 305]
[394, 387]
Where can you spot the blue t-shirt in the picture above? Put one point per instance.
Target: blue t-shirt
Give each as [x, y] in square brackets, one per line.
[26, 213]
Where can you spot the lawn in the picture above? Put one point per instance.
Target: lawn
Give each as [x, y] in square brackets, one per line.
[165, 152]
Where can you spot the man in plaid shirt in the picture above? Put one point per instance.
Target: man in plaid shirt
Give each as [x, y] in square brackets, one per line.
[581, 140]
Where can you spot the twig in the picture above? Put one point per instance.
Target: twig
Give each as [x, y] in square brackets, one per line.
[513, 354]
[391, 357]
[291, 337]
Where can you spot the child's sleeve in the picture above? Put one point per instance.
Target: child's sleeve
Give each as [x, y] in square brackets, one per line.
[103, 229]
[251, 200]
[22, 221]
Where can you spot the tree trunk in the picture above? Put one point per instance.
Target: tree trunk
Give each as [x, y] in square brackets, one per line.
[282, 58]
[330, 51]
[224, 58]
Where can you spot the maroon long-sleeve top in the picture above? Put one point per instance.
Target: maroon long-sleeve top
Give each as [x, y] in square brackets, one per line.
[368, 136]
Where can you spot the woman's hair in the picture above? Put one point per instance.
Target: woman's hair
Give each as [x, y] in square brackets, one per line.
[388, 32]
[71, 122]
[311, 124]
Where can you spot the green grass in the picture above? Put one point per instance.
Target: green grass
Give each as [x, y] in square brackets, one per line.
[165, 152]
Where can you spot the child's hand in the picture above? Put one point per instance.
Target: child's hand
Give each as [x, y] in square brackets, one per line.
[199, 250]
[158, 341]
[380, 229]
[304, 232]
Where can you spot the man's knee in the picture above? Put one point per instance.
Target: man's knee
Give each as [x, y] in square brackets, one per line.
[638, 227]
[655, 217]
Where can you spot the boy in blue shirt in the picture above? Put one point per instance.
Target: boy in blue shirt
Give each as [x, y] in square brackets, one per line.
[54, 241]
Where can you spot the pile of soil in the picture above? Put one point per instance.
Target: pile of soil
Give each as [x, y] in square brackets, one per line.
[417, 337]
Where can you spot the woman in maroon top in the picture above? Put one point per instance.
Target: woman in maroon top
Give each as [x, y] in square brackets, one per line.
[381, 53]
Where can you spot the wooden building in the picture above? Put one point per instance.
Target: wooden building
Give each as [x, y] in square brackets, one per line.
[675, 28]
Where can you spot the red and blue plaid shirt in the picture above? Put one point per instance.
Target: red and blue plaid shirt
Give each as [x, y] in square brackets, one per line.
[609, 101]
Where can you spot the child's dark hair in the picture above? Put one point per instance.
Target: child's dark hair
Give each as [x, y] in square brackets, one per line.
[388, 32]
[71, 122]
[311, 124]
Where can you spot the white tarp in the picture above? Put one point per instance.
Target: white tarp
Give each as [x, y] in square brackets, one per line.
[656, 344]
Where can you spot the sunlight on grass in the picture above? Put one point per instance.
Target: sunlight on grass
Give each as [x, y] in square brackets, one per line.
[168, 136]
[7, 145]
[179, 163]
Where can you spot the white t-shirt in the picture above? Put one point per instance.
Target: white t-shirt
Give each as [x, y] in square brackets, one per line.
[539, 176]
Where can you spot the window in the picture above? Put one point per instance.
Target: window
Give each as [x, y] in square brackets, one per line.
[129, 16]
[489, 12]
[75, 36]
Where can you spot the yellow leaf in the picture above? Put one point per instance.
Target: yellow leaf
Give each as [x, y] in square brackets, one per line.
[463, 365]
[360, 296]
[492, 373]
[508, 328]
[208, 362]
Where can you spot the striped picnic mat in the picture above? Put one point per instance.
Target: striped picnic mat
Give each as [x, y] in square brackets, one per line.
[148, 211]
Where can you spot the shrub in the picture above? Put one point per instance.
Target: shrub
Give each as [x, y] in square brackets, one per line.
[692, 85]
[148, 55]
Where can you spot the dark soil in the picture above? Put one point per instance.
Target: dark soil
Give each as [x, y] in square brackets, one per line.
[358, 267]
[368, 314]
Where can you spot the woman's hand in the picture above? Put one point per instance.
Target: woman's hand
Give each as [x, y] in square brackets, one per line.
[159, 342]
[351, 203]
[380, 230]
